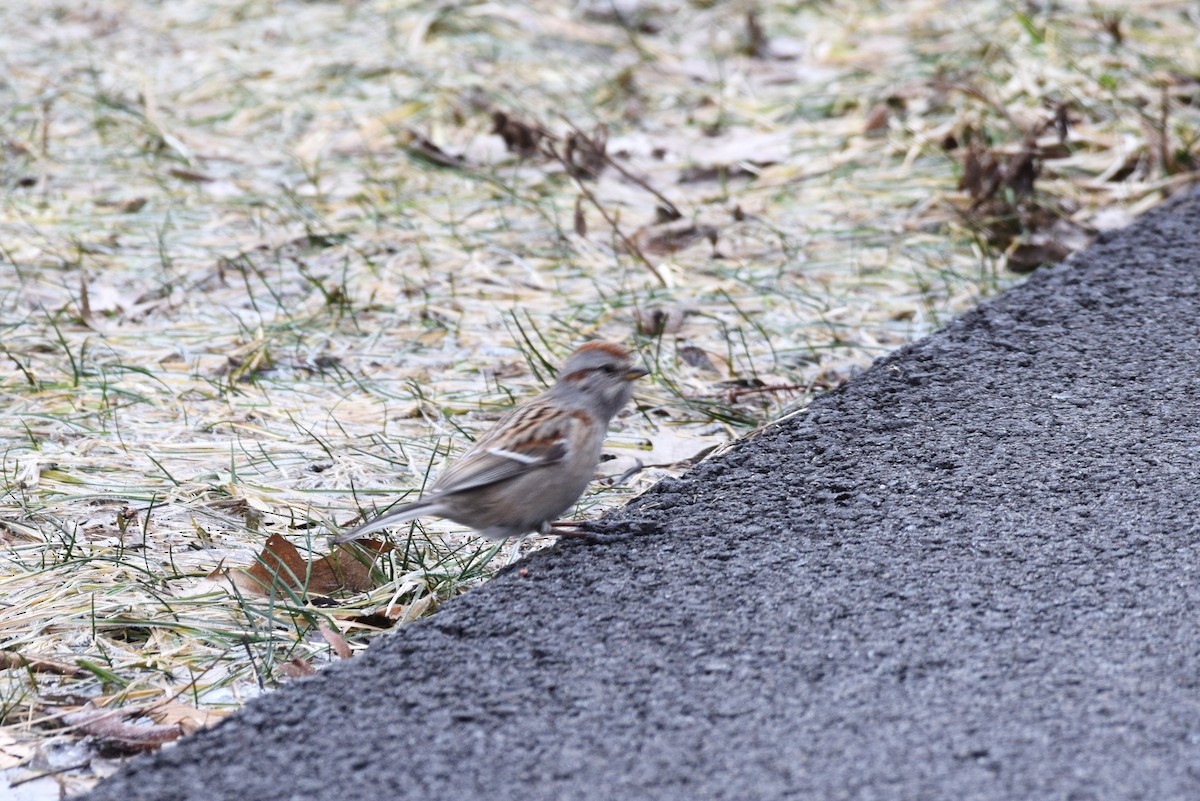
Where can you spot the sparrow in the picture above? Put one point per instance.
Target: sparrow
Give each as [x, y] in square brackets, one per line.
[537, 460]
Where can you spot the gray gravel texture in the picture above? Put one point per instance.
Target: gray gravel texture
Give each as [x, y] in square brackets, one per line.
[971, 573]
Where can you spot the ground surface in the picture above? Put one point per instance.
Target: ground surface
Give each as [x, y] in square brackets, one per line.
[988, 546]
[266, 265]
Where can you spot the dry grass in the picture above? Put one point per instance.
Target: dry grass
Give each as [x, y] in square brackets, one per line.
[263, 265]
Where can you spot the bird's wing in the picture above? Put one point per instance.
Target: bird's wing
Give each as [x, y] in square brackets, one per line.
[532, 437]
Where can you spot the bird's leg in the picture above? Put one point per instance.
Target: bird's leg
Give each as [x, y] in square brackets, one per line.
[575, 534]
[577, 530]
[573, 529]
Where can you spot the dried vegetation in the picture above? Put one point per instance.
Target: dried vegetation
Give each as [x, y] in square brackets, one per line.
[264, 265]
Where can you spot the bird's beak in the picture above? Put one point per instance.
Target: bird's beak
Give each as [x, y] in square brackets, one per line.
[634, 373]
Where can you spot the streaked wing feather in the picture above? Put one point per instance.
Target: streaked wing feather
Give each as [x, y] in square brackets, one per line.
[492, 466]
[541, 440]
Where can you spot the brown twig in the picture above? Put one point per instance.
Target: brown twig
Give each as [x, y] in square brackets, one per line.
[51, 772]
[629, 244]
[668, 206]
[11, 659]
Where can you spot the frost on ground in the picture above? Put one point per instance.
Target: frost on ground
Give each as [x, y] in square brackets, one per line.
[266, 265]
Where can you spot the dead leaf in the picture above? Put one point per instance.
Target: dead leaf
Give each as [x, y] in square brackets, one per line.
[247, 361]
[189, 719]
[385, 617]
[659, 320]
[423, 149]
[109, 725]
[1028, 256]
[1047, 246]
[281, 566]
[586, 156]
[336, 641]
[580, 219]
[674, 236]
[757, 45]
[189, 175]
[297, 669]
[523, 138]
[988, 169]
[371, 620]
[703, 360]
[348, 567]
[877, 118]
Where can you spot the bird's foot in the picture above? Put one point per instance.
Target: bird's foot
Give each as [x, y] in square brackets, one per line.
[582, 530]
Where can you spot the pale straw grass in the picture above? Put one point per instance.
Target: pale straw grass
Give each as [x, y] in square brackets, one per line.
[240, 298]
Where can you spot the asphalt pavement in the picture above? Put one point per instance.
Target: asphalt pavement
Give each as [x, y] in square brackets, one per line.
[970, 573]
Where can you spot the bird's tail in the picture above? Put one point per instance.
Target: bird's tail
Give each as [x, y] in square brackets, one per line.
[407, 512]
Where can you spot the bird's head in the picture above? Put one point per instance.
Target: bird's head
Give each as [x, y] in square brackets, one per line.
[603, 373]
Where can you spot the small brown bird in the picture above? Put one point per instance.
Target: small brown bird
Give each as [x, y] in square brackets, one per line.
[537, 460]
